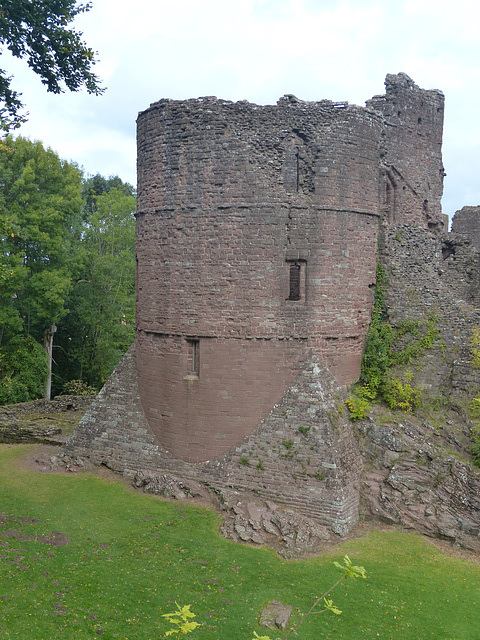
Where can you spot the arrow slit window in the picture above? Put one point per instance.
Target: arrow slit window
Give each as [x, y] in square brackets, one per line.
[296, 280]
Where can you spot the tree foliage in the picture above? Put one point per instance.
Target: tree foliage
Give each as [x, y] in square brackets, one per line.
[23, 368]
[100, 326]
[41, 200]
[66, 260]
[40, 31]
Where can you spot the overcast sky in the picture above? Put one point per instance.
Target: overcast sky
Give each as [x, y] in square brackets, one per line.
[258, 50]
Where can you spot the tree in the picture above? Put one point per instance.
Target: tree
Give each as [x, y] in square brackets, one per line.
[67, 269]
[23, 369]
[40, 210]
[41, 198]
[100, 325]
[38, 31]
[96, 185]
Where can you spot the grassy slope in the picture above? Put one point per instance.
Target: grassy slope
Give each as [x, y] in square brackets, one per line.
[130, 556]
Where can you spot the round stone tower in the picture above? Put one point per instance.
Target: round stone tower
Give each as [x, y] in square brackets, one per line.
[256, 246]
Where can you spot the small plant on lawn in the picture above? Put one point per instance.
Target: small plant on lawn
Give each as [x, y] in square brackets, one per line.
[288, 444]
[181, 617]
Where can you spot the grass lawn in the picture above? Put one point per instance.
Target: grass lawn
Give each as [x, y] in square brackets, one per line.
[131, 556]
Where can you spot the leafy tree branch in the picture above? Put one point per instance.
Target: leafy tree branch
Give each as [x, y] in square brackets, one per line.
[40, 32]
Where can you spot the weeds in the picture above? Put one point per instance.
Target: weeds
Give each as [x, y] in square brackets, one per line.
[181, 618]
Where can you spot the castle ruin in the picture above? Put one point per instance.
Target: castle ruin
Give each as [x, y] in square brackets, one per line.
[257, 231]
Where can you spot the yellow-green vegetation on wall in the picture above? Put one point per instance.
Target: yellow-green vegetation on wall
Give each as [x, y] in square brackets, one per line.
[389, 353]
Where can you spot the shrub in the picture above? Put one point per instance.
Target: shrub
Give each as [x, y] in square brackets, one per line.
[78, 388]
[400, 394]
[304, 430]
[475, 344]
[387, 347]
[358, 407]
[23, 370]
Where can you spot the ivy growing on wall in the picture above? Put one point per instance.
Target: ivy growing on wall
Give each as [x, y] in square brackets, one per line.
[388, 349]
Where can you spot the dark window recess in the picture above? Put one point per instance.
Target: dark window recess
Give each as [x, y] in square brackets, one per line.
[295, 272]
[193, 357]
[448, 249]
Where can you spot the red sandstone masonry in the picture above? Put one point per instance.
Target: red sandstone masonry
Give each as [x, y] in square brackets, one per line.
[256, 251]
[231, 195]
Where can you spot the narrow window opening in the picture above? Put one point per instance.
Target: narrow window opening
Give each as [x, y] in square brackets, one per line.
[193, 357]
[296, 280]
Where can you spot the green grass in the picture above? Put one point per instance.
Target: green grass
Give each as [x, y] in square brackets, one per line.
[131, 556]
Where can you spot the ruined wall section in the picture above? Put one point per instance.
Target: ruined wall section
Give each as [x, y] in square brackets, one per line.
[436, 275]
[466, 223]
[412, 168]
[233, 197]
[208, 152]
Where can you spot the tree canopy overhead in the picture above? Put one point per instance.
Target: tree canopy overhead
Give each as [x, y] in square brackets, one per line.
[40, 32]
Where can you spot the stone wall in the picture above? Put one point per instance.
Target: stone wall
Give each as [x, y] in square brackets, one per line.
[418, 470]
[411, 154]
[436, 275]
[466, 222]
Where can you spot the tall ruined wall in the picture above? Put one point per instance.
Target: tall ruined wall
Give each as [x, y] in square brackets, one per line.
[435, 276]
[411, 155]
[418, 469]
[466, 222]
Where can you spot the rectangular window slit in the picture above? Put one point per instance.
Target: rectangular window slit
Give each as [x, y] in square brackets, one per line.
[193, 357]
[294, 282]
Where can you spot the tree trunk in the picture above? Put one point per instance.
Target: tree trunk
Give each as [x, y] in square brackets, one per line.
[48, 344]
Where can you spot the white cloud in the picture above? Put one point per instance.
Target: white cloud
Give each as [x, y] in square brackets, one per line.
[258, 50]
